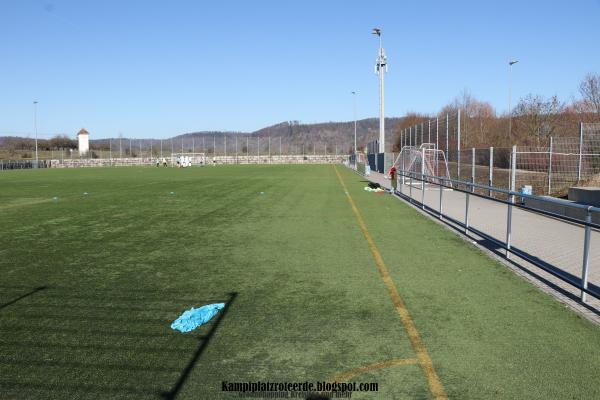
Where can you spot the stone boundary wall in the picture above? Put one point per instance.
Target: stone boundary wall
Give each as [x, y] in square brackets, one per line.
[217, 160]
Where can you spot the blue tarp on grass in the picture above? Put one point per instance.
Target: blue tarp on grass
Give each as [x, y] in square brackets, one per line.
[195, 317]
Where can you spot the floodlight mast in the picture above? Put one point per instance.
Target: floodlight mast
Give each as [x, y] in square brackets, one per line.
[381, 69]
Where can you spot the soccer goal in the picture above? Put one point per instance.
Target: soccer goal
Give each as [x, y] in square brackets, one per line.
[425, 161]
[184, 160]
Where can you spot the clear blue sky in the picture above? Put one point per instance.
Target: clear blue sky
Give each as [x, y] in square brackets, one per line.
[156, 69]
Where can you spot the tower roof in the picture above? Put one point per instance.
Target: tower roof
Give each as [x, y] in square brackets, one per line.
[82, 132]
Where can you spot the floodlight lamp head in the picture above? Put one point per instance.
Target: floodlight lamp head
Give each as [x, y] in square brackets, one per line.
[376, 31]
[513, 62]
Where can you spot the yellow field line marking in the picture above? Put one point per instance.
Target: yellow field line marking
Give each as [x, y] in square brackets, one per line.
[346, 376]
[435, 386]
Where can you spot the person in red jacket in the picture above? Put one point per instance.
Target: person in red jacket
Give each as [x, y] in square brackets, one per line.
[394, 179]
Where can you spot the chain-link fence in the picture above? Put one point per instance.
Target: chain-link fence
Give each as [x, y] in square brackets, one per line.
[220, 149]
[444, 132]
[549, 170]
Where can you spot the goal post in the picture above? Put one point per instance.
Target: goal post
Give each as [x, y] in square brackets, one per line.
[423, 160]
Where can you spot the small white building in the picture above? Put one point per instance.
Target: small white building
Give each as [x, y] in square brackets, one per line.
[83, 137]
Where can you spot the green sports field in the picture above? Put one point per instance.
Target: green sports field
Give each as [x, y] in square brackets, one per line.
[323, 282]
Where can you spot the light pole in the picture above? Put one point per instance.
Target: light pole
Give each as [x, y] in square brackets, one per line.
[354, 96]
[35, 129]
[510, 64]
[381, 69]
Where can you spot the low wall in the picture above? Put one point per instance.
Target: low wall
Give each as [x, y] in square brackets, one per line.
[217, 160]
[565, 210]
[585, 195]
[101, 162]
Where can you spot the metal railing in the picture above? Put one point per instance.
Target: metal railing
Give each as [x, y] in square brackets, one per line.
[508, 198]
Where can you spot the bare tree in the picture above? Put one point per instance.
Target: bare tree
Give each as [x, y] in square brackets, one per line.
[477, 119]
[537, 116]
[589, 88]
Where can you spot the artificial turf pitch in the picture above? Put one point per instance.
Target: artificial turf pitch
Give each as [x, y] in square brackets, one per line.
[91, 283]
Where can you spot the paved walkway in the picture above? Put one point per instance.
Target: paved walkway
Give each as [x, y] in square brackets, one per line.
[550, 240]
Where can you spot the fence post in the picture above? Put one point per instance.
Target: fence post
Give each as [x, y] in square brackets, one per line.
[513, 162]
[410, 185]
[472, 167]
[491, 179]
[586, 254]
[580, 151]
[447, 155]
[410, 136]
[422, 131]
[458, 144]
[423, 178]
[401, 155]
[437, 133]
[467, 197]
[550, 167]
[400, 173]
[429, 130]
[416, 135]
[441, 192]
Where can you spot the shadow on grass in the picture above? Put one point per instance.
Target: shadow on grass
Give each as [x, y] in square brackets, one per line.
[34, 291]
[67, 343]
[172, 394]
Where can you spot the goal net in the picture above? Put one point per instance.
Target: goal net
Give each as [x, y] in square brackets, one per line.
[424, 160]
